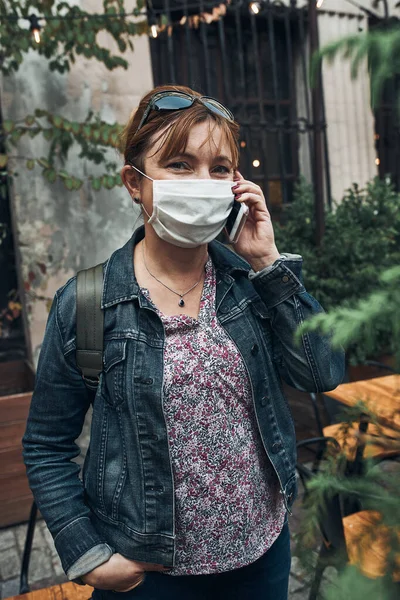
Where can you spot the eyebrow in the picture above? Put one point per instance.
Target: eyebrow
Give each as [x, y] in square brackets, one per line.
[194, 157]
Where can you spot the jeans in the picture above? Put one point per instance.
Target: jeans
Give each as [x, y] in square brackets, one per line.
[266, 578]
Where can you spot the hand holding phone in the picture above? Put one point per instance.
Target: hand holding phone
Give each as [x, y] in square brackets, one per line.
[236, 220]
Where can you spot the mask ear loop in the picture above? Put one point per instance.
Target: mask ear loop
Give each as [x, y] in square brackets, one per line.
[144, 175]
[141, 172]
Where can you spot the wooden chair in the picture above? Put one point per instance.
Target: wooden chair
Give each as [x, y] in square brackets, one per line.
[358, 538]
[377, 442]
[358, 438]
[26, 557]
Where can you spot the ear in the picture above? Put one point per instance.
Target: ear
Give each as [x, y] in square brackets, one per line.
[131, 180]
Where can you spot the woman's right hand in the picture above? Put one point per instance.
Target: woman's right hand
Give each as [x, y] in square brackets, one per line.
[119, 574]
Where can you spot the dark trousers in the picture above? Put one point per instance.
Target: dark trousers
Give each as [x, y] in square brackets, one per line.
[265, 579]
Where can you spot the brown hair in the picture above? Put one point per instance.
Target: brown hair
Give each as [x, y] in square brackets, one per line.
[174, 125]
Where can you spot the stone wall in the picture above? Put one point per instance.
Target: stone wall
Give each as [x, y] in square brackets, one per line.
[59, 232]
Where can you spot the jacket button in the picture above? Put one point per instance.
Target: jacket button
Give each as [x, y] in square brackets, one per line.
[285, 279]
[226, 308]
[254, 350]
[276, 447]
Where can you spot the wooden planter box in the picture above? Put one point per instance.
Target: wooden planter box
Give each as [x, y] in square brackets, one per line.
[16, 385]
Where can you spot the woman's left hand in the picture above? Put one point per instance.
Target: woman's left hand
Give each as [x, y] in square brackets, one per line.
[256, 243]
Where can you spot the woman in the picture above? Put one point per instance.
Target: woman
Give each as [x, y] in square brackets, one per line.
[190, 471]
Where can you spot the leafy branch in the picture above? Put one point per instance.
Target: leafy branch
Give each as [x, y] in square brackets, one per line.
[93, 135]
[363, 322]
[66, 33]
[380, 47]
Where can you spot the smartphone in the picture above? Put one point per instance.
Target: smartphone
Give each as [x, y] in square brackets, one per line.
[236, 221]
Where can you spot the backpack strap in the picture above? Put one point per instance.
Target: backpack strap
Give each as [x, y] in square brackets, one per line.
[89, 323]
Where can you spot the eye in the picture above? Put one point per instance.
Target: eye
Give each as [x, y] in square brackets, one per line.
[178, 166]
[221, 170]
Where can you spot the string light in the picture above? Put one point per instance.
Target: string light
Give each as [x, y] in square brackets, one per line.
[243, 144]
[377, 162]
[256, 163]
[319, 3]
[255, 7]
[35, 28]
[153, 31]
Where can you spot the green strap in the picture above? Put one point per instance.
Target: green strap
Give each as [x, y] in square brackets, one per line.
[89, 322]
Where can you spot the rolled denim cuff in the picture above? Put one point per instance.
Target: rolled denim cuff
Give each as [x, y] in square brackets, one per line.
[75, 540]
[286, 256]
[278, 282]
[93, 558]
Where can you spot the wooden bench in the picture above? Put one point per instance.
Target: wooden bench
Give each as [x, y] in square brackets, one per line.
[16, 384]
[64, 591]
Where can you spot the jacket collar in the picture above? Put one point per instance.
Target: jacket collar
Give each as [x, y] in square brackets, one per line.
[120, 283]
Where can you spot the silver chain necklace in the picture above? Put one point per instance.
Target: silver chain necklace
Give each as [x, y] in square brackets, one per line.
[181, 301]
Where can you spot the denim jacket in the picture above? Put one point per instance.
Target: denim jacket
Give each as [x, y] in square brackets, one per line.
[125, 500]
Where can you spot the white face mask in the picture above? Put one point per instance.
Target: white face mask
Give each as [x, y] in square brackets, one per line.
[189, 212]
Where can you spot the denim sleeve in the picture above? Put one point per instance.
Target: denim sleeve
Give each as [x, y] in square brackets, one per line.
[57, 412]
[93, 558]
[311, 365]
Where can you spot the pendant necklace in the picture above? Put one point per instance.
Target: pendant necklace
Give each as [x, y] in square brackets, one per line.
[181, 301]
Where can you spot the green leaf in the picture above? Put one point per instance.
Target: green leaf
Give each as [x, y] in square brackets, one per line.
[30, 164]
[50, 175]
[96, 135]
[57, 121]
[114, 138]
[118, 180]
[76, 128]
[78, 183]
[43, 162]
[121, 45]
[15, 136]
[87, 131]
[110, 182]
[105, 135]
[104, 181]
[96, 183]
[34, 132]
[3, 160]
[48, 134]
[67, 125]
[8, 126]
[29, 120]
[69, 183]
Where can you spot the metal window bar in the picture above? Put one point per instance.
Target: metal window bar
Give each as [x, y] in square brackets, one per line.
[230, 58]
[271, 36]
[203, 35]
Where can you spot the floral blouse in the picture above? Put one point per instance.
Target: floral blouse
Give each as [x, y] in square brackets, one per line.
[228, 509]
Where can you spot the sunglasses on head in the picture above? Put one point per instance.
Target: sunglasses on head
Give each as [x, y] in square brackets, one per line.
[181, 100]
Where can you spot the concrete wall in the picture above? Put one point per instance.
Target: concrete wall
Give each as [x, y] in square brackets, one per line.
[62, 230]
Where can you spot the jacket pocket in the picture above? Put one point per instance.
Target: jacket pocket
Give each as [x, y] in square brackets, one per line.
[114, 372]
